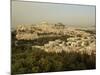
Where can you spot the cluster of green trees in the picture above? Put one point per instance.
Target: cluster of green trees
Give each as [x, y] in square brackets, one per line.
[42, 41]
[37, 61]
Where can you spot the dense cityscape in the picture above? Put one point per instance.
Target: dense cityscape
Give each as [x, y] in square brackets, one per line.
[52, 44]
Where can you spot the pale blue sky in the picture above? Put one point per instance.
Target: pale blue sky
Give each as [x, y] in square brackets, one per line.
[34, 12]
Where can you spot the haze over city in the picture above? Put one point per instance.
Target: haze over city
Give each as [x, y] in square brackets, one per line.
[35, 12]
[52, 37]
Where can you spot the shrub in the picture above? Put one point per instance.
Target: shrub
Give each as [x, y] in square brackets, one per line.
[34, 60]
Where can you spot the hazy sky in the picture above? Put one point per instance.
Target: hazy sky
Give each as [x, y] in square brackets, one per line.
[33, 12]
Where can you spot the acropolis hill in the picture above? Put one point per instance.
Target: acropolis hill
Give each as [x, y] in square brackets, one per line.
[65, 38]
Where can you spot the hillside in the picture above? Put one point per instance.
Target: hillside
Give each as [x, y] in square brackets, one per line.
[51, 48]
[57, 38]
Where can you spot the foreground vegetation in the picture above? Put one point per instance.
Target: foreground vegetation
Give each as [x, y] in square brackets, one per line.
[35, 60]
